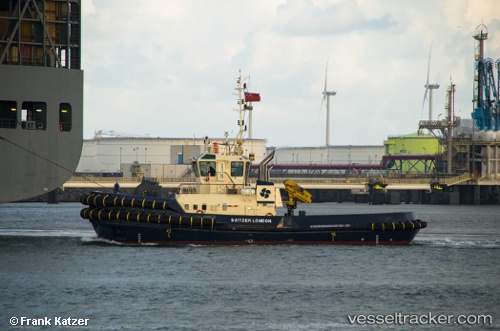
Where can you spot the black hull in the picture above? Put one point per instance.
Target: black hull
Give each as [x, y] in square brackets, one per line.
[140, 220]
[130, 233]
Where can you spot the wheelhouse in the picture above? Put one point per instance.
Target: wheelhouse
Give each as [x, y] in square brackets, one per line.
[229, 169]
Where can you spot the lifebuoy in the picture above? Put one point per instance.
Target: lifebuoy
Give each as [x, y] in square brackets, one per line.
[207, 178]
[269, 214]
[199, 211]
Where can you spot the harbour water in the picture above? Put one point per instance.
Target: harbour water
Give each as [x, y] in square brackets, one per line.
[52, 267]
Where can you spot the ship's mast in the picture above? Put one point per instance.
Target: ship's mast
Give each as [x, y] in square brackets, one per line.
[238, 149]
[245, 100]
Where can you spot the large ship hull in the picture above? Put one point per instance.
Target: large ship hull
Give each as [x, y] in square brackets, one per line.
[38, 158]
[140, 220]
[41, 96]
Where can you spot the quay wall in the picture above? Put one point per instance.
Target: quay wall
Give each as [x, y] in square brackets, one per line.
[458, 195]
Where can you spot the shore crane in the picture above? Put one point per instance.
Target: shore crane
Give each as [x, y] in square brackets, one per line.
[486, 114]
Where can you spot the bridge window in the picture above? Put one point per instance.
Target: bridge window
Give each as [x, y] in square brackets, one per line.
[64, 117]
[236, 169]
[207, 167]
[196, 169]
[34, 115]
[247, 171]
[8, 114]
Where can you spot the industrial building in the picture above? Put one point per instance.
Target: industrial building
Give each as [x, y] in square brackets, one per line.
[117, 154]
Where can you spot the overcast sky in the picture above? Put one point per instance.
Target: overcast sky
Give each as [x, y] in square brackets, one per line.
[167, 68]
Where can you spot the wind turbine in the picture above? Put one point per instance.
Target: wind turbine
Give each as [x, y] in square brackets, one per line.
[326, 95]
[429, 87]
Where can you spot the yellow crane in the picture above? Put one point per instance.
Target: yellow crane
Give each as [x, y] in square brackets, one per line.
[296, 194]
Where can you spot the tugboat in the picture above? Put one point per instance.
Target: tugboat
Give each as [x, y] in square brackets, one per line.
[224, 207]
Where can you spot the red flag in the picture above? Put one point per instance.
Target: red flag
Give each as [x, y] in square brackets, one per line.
[252, 97]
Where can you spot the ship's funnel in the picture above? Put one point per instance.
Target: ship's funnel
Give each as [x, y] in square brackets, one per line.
[263, 173]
